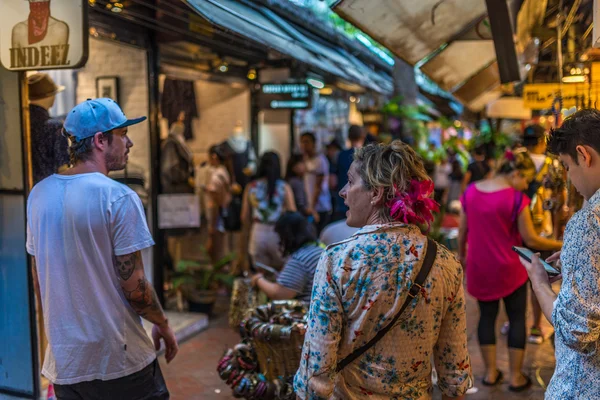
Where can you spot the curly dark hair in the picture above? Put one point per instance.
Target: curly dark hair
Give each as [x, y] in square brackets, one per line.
[294, 232]
[579, 129]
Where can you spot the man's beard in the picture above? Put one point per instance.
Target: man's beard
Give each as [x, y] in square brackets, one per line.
[114, 162]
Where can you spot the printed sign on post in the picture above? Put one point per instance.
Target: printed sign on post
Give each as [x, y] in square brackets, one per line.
[178, 211]
[43, 34]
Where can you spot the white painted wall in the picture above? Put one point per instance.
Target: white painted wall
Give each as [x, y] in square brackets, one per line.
[130, 64]
[11, 153]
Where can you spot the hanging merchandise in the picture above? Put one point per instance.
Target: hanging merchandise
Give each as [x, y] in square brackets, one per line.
[178, 96]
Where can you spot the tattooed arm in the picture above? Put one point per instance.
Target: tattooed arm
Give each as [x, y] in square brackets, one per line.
[141, 296]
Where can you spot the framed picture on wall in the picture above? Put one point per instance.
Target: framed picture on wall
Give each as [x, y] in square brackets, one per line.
[108, 86]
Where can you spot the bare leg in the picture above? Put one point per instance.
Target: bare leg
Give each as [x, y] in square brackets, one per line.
[516, 357]
[488, 352]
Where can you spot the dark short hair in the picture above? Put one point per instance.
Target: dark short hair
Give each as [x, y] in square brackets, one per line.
[309, 135]
[355, 133]
[81, 151]
[294, 159]
[579, 129]
[294, 232]
[217, 151]
[480, 150]
[334, 144]
[533, 134]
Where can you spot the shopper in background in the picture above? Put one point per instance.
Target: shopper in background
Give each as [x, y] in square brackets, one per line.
[295, 171]
[299, 242]
[456, 177]
[534, 139]
[85, 232]
[362, 283]
[575, 312]
[316, 180]
[332, 151]
[49, 153]
[478, 169]
[356, 137]
[496, 217]
[336, 232]
[217, 196]
[441, 180]
[265, 200]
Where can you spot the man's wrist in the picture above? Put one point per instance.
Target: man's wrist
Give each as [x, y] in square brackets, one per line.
[164, 324]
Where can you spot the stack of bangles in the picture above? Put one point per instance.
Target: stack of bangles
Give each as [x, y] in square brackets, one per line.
[238, 368]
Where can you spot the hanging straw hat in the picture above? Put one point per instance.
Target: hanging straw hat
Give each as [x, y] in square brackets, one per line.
[42, 86]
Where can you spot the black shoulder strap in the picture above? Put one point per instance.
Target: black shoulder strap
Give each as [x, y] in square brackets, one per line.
[414, 291]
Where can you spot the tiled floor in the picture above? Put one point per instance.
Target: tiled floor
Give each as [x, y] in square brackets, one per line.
[185, 325]
[192, 375]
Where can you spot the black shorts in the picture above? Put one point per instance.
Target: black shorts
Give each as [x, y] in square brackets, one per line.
[147, 384]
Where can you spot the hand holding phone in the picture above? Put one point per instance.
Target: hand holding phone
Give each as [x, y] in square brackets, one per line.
[527, 254]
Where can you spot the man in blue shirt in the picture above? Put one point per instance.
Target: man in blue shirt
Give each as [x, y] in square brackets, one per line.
[575, 312]
[356, 136]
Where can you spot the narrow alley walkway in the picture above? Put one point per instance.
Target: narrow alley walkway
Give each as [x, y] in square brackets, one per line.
[192, 375]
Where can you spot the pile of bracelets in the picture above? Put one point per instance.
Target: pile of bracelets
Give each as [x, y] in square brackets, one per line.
[238, 368]
[275, 321]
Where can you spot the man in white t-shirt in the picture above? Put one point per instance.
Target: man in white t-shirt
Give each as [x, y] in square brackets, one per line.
[85, 232]
[316, 180]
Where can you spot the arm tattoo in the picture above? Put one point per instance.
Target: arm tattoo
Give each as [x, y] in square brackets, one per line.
[138, 292]
[143, 299]
[126, 264]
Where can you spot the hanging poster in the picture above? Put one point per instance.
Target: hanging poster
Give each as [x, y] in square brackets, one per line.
[178, 211]
[43, 34]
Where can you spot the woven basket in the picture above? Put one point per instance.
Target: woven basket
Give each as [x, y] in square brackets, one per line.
[243, 300]
[278, 346]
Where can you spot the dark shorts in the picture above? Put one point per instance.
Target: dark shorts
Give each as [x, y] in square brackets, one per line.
[147, 384]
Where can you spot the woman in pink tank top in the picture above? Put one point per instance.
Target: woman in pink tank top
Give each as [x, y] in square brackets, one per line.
[496, 217]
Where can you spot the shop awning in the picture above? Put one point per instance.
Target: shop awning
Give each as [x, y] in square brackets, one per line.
[450, 40]
[412, 29]
[261, 25]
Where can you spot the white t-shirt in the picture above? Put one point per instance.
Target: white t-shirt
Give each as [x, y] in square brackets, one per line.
[315, 167]
[538, 160]
[336, 232]
[76, 225]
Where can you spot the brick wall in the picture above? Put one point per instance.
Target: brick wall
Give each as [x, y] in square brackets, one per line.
[130, 65]
[219, 106]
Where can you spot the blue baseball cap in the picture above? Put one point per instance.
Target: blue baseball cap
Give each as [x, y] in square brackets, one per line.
[94, 116]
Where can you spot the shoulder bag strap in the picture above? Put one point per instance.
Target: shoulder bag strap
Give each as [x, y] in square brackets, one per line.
[414, 291]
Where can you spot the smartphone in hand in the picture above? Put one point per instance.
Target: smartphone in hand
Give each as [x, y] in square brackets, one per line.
[527, 254]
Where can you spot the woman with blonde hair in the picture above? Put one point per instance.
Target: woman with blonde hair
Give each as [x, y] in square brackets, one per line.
[387, 300]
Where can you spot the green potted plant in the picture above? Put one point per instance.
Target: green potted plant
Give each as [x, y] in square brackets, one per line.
[198, 283]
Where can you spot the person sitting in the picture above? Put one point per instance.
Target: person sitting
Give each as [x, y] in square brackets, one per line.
[299, 243]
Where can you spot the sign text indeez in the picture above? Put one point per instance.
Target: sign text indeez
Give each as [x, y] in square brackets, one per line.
[43, 34]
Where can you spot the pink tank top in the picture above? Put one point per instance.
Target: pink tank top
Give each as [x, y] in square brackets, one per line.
[493, 269]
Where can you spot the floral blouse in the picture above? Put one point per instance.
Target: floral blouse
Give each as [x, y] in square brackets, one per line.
[576, 313]
[359, 286]
[263, 210]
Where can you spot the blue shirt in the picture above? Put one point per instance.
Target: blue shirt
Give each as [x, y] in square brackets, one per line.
[576, 314]
[299, 271]
[345, 159]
